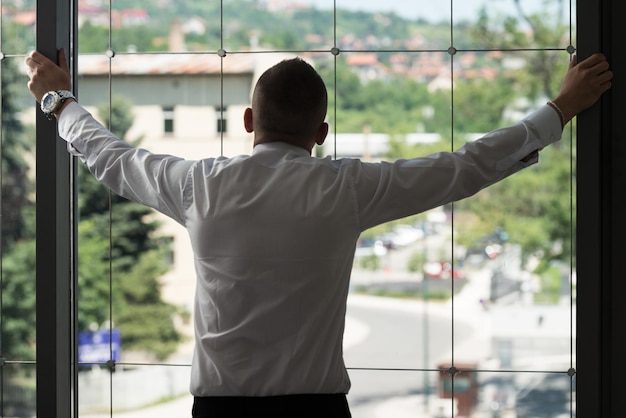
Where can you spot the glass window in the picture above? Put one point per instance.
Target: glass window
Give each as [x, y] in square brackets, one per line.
[465, 309]
[17, 220]
[221, 114]
[168, 120]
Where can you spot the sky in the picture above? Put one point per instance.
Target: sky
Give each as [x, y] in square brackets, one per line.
[431, 10]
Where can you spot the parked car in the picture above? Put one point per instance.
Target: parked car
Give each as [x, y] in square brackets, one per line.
[370, 246]
[401, 236]
[442, 270]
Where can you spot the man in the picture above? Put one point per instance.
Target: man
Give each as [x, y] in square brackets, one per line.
[274, 233]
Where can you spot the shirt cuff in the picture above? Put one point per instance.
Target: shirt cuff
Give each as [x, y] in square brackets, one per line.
[67, 118]
[545, 118]
[543, 127]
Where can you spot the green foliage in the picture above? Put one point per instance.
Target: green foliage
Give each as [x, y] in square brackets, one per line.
[394, 106]
[148, 327]
[369, 262]
[93, 38]
[538, 32]
[132, 298]
[551, 282]
[285, 40]
[17, 240]
[416, 262]
[432, 295]
[18, 301]
[94, 290]
[479, 106]
[532, 206]
[399, 148]
[16, 38]
[144, 38]
[16, 186]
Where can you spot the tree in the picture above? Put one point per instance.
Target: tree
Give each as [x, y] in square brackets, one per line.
[18, 301]
[121, 258]
[479, 106]
[533, 207]
[538, 32]
[18, 235]
[143, 38]
[16, 185]
[393, 106]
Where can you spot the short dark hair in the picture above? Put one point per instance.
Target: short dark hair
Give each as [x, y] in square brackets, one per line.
[290, 98]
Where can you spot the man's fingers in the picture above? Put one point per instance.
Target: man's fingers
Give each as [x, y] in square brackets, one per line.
[62, 60]
[605, 81]
[37, 57]
[605, 76]
[593, 60]
[602, 73]
[31, 61]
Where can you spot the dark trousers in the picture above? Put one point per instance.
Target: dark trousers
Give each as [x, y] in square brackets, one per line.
[286, 406]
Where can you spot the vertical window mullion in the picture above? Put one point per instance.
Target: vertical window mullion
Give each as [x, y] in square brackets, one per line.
[110, 365]
[54, 237]
[600, 243]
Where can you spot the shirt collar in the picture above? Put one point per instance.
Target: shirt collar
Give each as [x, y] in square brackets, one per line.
[280, 146]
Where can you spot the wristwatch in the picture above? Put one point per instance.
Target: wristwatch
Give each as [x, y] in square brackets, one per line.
[52, 101]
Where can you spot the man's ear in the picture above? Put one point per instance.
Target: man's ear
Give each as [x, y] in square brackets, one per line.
[248, 120]
[321, 133]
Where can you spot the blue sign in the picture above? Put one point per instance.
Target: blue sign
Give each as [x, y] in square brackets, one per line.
[99, 346]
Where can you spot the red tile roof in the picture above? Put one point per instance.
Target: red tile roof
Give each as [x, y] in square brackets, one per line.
[164, 64]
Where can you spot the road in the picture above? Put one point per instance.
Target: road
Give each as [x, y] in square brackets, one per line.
[387, 363]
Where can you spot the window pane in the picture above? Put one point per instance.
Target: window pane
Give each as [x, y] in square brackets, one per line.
[17, 233]
[518, 266]
[19, 394]
[527, 394]
[429, 292]
[136, 390]
[393, 393]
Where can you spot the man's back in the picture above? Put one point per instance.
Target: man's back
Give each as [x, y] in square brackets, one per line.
[273, 235]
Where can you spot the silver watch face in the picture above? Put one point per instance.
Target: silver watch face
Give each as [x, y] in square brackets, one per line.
[50, 101]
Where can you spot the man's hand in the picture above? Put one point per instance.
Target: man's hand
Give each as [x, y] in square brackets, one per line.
[45, 75]
[583, 85]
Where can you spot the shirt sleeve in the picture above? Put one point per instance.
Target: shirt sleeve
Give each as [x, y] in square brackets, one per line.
[388, 191]
[154, 180]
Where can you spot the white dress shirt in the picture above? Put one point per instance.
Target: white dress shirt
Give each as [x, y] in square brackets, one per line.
[274, 234]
